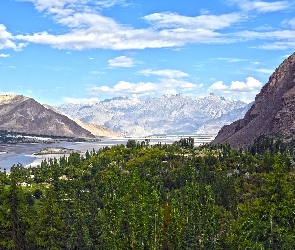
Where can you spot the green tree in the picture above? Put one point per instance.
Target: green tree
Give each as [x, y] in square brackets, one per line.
[268, 222]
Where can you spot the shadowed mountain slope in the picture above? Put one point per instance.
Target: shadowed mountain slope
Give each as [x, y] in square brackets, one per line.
[272, 112]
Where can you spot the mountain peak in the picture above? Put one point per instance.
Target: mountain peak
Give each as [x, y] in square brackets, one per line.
[11, 98]
[24, 114]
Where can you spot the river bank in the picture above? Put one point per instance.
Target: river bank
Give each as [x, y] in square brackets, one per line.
[25, 153]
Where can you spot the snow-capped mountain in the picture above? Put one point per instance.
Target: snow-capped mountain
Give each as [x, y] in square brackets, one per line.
[214, 125]
[168, 114]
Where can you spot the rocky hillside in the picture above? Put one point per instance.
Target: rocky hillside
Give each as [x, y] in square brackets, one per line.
[169, 114]
[272, 112]
[22, 114]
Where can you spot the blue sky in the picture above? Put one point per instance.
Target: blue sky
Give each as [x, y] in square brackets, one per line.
[59, 51]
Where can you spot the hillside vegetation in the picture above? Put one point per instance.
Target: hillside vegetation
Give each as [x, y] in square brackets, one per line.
[154, 197]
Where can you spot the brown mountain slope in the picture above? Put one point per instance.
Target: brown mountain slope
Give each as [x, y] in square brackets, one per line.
[272, 112]
[97, 130]
[22, 114]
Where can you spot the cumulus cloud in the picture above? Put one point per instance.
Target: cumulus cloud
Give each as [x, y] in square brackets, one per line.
[251, 84]
[127, 88]
[169, 82]
[7, 40]
[238, 90]
[80, 100]
[122, 61]
[4, 55]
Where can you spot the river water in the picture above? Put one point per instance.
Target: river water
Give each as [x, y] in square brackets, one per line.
[23, 153]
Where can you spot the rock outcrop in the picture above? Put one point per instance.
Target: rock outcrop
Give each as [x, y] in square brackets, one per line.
[272, 112]
[22, 114]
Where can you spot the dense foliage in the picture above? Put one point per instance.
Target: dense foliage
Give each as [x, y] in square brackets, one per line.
[140, 196]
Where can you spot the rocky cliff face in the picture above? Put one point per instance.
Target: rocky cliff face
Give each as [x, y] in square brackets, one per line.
[273, 110]
[22, 114]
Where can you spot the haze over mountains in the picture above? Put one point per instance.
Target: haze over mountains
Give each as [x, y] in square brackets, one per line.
[169, 114]
[272, 112]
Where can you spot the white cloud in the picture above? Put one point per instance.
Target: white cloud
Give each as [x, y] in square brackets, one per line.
[210, 22]
[264, 71]
[278, 34]
[122, 61]
[127, 88]
[4, 55]
[277, 45]
[80, 100]
[263, 6]
[229, 59]
[170, 82]
[238, 90]
[251, 84]
[110, 35]
[52, 5]
[6, 40]
[168, 73]
[284, 39]
[88, 29]
[218, 86]
[110, 3]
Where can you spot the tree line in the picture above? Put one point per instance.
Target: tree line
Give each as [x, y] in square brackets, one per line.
[142, 196]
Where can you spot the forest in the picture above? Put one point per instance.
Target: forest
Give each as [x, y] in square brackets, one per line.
[140, 196]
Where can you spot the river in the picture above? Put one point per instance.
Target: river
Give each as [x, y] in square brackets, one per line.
[23, 153]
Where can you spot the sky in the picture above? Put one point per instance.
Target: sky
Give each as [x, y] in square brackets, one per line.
[73, 51]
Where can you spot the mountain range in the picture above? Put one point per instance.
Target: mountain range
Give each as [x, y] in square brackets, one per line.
[273, 111]
[168, 114]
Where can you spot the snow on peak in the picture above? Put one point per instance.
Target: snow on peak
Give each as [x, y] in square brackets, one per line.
[161, 115]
